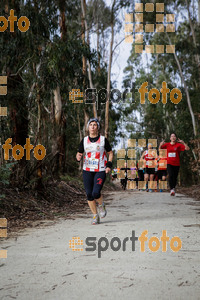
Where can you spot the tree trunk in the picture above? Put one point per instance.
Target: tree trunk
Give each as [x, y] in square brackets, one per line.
[109, 72]
[98, 50]
[197, 57]
[63, 29]
[60, 118]
[86, 119]
[199, 12]
[39, 138]
[57, 104]
[83, 7]
[84, 69]
[83, 40]
[80, 135]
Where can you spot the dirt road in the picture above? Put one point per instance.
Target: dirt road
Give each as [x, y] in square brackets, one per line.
[41, 265]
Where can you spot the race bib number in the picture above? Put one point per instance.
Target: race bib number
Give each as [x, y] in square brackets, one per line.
[92, 163]
[151, 164]
[172, 154]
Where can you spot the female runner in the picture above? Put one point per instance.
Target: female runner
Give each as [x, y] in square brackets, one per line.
[95, 167]
[173, 159]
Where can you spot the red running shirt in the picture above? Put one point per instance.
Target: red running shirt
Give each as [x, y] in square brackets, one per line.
[162, 164]
[149, 156]
[173, 153]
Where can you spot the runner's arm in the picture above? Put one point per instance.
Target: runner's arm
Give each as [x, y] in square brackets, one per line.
[142, 157]
[110, 158]
[107, 146]
[161, 144]
[79, 154]
[156, 155]
[110, 155]
[182, 142]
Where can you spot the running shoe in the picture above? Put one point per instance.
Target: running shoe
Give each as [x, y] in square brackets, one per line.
[150, 190]
[95, 219]
[161, 191]
[102, 210]
[172, 193]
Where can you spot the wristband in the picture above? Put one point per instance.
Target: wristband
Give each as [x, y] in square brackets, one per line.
[109, 164]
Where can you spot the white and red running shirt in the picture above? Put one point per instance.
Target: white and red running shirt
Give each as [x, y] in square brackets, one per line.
[95, 156]
[148, 156]
[173, 153]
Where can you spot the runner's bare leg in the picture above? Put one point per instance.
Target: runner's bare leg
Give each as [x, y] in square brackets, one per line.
[93, 207]
[151, 177]
[100, 200]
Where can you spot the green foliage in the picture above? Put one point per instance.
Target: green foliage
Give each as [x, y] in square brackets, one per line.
[5, 172]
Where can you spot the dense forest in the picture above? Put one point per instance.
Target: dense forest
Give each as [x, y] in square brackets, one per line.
[57, 54]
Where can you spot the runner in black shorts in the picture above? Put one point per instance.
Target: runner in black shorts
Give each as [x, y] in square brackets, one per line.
[124, 181]
[174, 149]
[162, 174]
[149, 171]
[95, 167]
